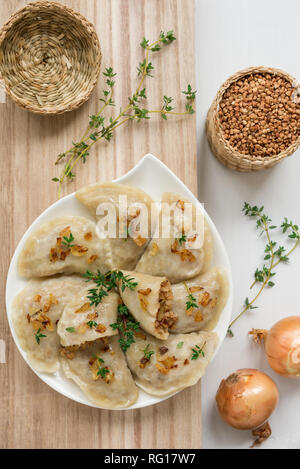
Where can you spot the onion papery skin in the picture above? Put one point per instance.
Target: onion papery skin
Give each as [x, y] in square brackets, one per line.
[282, 346]
[247, 398]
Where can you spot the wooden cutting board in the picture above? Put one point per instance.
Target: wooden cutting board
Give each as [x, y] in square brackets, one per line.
[31, 414]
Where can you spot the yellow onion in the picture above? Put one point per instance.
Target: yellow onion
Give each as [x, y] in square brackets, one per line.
[246, 399]
[282, 346]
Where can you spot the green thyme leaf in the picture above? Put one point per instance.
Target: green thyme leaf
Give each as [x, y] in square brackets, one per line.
[148, 353]
[198, 351]
[38, 336]
[67, 241]
[92, 324]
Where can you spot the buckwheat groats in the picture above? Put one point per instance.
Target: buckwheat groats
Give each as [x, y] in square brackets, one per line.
[254, 120]
[258, 115]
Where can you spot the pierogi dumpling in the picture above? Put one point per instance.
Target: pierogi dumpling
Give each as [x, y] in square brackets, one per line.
[67, 244]
[82, 322]
[150, 303]
[174, 256]
[101, 372]
[210, 293]
[154, 278]
[36, 311]
[163, 367]
[127, 250]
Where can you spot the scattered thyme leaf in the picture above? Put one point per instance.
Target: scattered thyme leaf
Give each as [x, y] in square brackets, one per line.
[102, 370]
[148, 353]
[92, 324]
[182, 239]
[198, 351]
[67, 241]
[38, 336]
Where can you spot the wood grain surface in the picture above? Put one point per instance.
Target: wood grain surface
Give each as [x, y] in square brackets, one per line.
[31, 414]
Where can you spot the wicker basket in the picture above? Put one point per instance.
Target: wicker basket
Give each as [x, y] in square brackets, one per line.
[223, 151]
[49, 58]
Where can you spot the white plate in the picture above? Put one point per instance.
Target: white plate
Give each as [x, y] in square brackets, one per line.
[154, 178]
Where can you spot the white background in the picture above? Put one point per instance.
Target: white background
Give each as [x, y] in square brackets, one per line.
[232, 35]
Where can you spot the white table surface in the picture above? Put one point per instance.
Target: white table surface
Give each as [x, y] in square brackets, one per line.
[232, 35]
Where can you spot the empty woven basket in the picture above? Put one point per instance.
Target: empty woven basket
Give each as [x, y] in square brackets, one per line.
[49, 58]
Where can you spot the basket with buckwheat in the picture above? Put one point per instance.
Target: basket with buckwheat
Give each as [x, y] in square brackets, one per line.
[254, 120]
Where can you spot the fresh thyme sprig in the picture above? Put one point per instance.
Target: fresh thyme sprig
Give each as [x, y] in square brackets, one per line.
[105, 283]
[127, 327]
[102, 370]
[102, 128]
[67, 241]
[96, 295]
[198, 351]
[274, 254]
[191, 300]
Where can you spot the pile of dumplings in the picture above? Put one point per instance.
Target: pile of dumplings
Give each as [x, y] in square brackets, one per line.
[60, 327]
